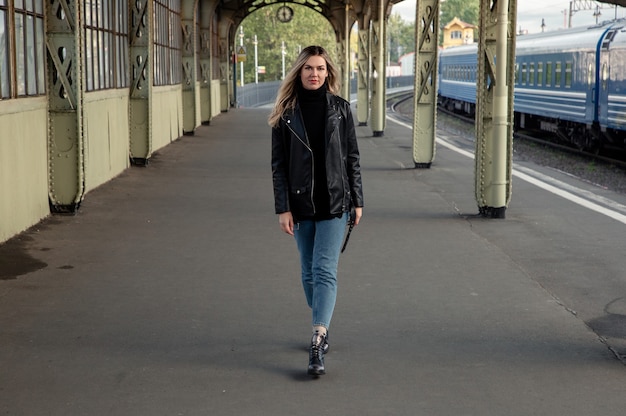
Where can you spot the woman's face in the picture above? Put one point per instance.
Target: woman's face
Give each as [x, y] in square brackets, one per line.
[314, 72]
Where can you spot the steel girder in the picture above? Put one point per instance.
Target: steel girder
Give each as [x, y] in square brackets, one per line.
[363, 73]
[141, 60]
[227, 63]
[378, 53]
[204, 57]
[346, 52]
[425, 91]
[494, 106]
[190, 38]
[66, 141]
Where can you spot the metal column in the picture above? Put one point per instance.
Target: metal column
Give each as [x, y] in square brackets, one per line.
[346, 53]
[141, 22]
[66, 139]
[363, 73]
[189, 68]
[205, 65]
[425, 92]
[379, 71]
[226, 74]
[494, 106]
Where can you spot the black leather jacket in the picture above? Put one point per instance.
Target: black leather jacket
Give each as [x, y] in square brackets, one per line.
[292, 162]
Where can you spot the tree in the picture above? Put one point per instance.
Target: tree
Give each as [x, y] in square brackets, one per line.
[306, 28]
[401, 37]
[466, 10]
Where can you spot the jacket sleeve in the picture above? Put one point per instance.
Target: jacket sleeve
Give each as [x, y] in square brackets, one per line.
[353, 164]
[280, 166]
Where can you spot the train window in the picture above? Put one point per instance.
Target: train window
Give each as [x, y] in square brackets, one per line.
[517, 73]
[548, 74]
[568, 74]
[539, 74]
[524, 74]
[531, 74]
[557, 74]
[590, 74]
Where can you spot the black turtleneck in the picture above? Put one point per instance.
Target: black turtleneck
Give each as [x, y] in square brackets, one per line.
[313, 107]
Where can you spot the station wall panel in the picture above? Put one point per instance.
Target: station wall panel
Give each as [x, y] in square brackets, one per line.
[107, 136]
[167, 115]
[23, 165]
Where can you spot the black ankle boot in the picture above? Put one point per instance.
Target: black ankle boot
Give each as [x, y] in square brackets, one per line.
[325, 346]
[316, 355]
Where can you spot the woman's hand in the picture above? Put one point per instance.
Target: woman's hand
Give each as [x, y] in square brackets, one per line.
[285, 220]
[358, 213]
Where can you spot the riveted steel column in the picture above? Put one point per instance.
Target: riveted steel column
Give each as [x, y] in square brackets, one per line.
[225, 71]
[379, 71]
[494, 106]
[205, 66]
[66, 140]
[425, 92]
[340, 47]
[189, 68]
[141, 38]
[346, 53]
[363, 73]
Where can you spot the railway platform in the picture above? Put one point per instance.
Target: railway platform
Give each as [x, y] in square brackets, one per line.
[173, 292]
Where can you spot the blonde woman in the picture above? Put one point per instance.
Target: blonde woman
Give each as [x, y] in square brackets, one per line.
[317, 181]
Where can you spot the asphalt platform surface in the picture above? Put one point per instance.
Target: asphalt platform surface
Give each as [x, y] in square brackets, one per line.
[173, 292]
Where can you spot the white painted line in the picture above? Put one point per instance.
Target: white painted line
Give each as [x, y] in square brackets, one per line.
[559, 188]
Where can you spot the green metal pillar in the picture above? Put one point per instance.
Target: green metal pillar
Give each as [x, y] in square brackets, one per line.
[66, 137]
[141, 23]
[363, 73]
[379, 71]
[226, 73]
[190, 37]
[205, 66]
[494, 106]
[346, 53]
[425, 90]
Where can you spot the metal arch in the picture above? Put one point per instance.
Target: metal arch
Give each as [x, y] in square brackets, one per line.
[373, 13]
[332, 10]
[237, 10]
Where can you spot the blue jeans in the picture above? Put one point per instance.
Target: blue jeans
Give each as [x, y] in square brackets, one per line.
[319, 244]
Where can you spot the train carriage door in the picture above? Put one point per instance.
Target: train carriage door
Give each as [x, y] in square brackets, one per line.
[602, 78]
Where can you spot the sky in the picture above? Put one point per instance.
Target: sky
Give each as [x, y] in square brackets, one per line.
[531, 12]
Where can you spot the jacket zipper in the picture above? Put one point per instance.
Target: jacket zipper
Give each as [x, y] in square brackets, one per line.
[306, 144]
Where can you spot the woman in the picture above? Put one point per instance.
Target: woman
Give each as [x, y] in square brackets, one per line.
[317, 181]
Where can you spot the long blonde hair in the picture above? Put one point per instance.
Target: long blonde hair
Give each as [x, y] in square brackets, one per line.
[286, 97]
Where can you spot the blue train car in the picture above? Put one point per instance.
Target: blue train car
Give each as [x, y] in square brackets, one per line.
[612, 88]
[457, 78]
[556, 82]
[570, 83]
